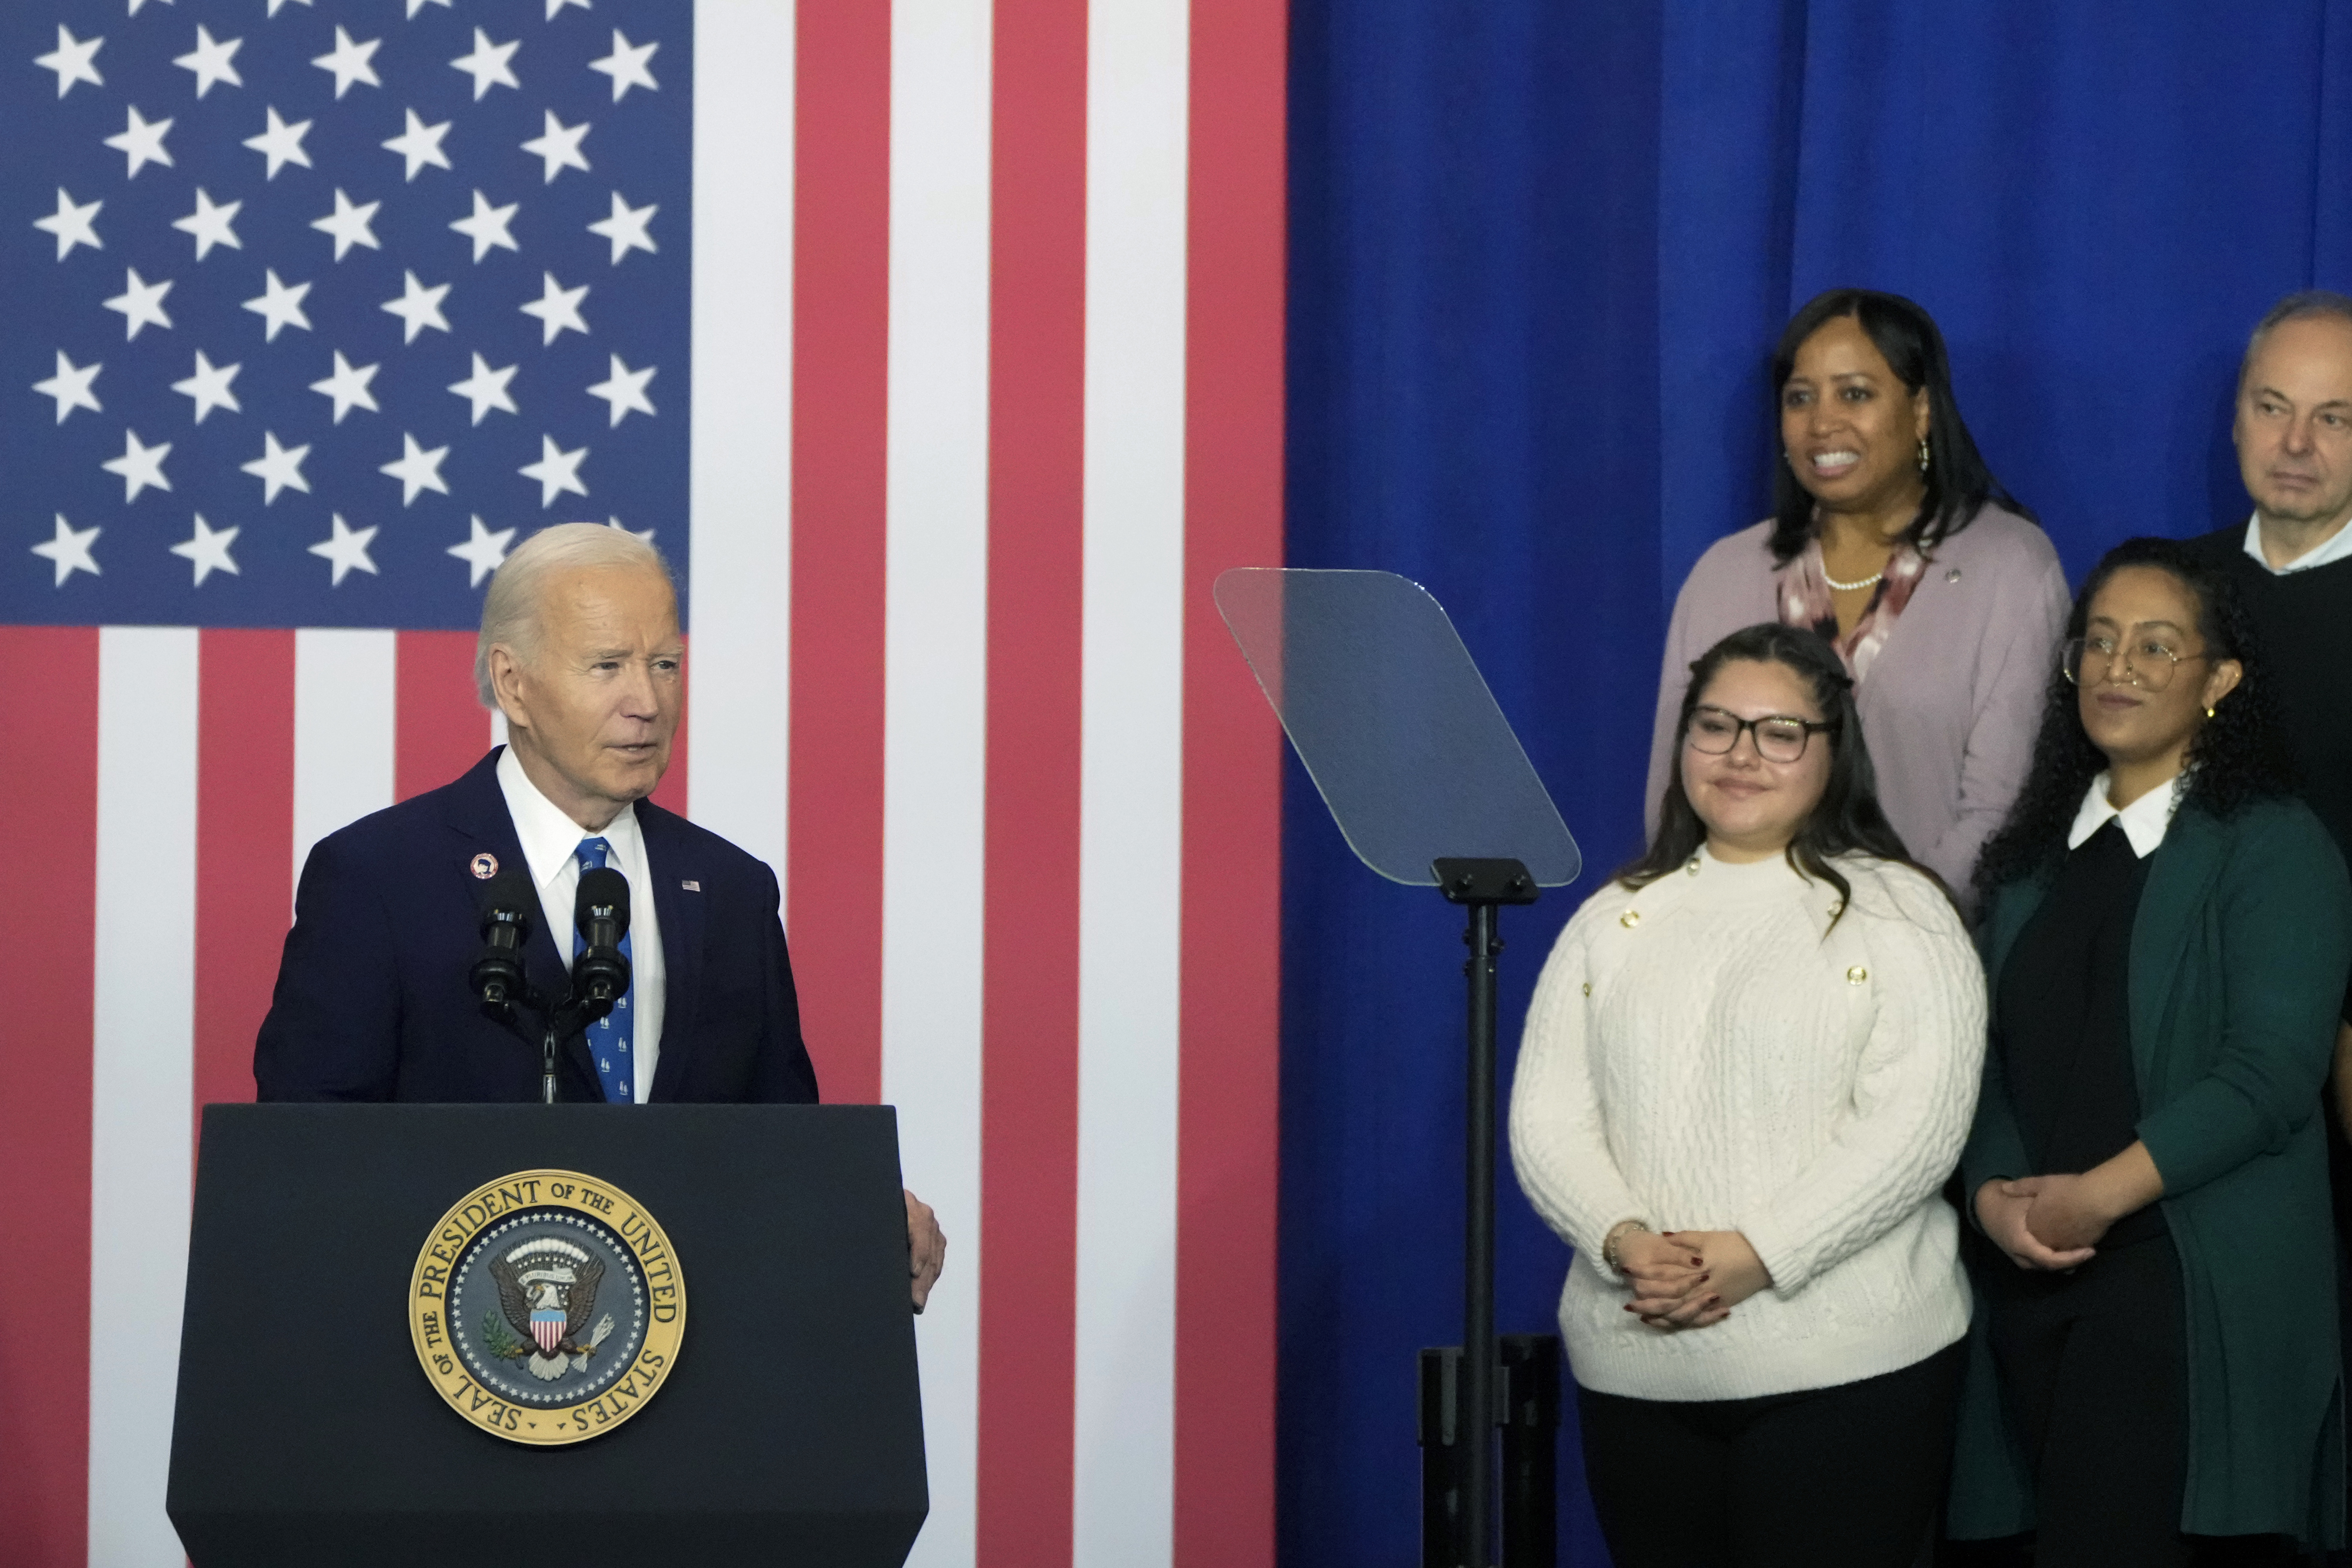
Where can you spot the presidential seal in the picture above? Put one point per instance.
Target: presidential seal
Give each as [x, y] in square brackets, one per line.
[547, 1306]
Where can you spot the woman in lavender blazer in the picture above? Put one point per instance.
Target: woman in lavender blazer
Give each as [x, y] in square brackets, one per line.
[1892, 538]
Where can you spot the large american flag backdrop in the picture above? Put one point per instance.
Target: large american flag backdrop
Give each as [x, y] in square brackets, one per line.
[939, 344]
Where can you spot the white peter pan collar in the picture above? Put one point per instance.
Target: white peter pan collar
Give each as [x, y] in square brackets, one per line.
[2145, 820]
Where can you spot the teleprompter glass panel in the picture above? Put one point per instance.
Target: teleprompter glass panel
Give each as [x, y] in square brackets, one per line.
[1395, 723]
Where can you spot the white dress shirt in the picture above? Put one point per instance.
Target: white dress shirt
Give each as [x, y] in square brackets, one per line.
[550, 842]
[2145, 820]
[2337, 546]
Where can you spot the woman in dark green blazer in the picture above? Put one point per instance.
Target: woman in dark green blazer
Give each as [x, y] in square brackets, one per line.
[2154, 1371]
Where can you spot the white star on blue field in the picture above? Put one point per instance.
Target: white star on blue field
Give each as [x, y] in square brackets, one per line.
[315, 307]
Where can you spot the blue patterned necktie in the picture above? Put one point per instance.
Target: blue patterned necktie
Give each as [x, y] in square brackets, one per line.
[609, 1037]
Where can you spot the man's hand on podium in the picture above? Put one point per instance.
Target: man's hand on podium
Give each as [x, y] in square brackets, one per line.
[927, 1247]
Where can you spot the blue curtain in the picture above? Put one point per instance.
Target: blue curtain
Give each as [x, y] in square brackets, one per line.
[1539, 252]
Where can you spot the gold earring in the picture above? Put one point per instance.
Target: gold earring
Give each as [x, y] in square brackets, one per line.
[1923, 454]
[2209, 712]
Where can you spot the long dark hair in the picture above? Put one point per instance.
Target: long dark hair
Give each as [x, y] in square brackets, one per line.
[1959, 482]
[1847, 819]
[2237, 758]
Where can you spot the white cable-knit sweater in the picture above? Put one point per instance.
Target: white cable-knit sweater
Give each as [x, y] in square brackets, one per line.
[1708, 1053]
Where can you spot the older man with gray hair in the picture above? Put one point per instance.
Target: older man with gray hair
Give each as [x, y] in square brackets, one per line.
[2292, 559]
[580, 650]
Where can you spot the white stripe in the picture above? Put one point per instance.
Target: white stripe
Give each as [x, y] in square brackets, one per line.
[142, 1081]
[344, 730]
[1131, 772]
[935, 717]
[738, 606]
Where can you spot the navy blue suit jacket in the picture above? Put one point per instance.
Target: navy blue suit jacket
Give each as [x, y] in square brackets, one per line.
[372, 1001]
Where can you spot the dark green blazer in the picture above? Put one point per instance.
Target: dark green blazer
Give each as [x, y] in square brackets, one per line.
[2238, 962]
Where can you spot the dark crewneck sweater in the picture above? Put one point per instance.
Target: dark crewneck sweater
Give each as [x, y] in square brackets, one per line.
[2062, 1020]
[2303, 619]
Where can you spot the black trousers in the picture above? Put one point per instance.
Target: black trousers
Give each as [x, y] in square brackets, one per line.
[1849, 1475]
[2094, 1366]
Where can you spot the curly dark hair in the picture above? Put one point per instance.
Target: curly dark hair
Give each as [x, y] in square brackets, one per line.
[1846, 820]
[1958, 481]
[2237, 757]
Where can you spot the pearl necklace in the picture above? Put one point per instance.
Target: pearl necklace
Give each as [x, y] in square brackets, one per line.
[1852, 587]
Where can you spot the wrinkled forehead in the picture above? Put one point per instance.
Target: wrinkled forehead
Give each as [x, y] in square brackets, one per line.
[2308, 359]
[628, 606]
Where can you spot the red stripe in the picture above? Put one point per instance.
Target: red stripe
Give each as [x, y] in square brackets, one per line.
[439, 726]
[245, 847]
[47, 933]
[1029, 1109]
[670, 794]
[841, 321]
[1227, 1129]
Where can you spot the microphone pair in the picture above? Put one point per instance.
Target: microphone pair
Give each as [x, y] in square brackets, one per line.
[600, 913]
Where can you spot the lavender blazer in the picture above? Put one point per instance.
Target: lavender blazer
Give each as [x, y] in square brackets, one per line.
[1954, 698]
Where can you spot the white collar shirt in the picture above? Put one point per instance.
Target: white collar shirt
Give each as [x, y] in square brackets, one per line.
[550, 841]
[2145, 821]
[2338, 547]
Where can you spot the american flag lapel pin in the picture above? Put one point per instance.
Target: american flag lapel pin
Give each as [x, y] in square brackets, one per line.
[691, 886]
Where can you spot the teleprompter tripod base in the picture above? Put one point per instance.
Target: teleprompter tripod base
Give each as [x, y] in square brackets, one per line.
[1526, 1378]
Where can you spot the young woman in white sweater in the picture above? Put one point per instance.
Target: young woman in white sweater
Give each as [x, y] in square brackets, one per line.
[1750, 1066]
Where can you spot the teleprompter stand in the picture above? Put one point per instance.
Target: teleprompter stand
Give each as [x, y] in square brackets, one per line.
[1526, 1408]
[788, 1432]
[1431, 788]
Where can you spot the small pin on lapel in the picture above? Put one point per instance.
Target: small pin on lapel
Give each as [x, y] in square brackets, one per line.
[691, 887]
[484, 866]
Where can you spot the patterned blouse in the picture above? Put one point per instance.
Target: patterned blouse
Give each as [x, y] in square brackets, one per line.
[1801, 589]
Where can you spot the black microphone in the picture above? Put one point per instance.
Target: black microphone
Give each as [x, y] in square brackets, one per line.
[601, 914]
[507, 903]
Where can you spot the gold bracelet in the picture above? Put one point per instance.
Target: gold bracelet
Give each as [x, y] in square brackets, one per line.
[1616, 1232]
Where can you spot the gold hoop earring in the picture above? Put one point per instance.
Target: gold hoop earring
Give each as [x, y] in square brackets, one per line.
[1923, 454]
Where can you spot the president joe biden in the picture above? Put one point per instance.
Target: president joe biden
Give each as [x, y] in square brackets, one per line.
[580, 650]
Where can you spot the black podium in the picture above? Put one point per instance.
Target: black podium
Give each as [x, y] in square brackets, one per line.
[788, 1430]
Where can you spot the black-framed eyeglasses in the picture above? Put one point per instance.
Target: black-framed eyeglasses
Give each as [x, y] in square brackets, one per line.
[1780, 737]
[2149, 663]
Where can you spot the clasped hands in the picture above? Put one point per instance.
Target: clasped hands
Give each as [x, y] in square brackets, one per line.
[2049, 1223]
[1688, 1278]
[2055, 1222]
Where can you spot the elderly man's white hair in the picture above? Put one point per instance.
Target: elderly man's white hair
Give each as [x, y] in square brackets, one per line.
[510, 609]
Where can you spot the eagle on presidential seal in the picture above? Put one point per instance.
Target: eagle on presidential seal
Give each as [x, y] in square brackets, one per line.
[547, 1290]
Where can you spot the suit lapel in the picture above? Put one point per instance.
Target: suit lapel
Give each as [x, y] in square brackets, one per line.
[670, 863]
[2179, 879]
[477, 819]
